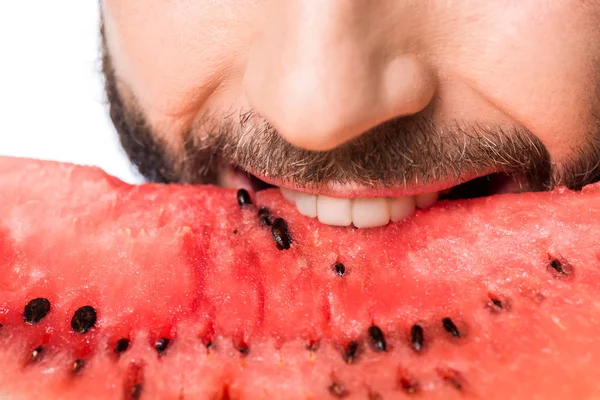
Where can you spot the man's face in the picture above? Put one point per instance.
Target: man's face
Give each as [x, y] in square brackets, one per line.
[389, 100]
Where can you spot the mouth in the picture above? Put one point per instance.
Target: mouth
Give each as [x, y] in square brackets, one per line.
[361, 207]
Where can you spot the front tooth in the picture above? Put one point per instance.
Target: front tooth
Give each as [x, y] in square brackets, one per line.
[306, 204]
[402, 207]
[426, 200]
[289, 195]
[334, 211]
[368, 213]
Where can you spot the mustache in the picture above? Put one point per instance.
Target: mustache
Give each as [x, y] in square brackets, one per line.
[399, 152]
[402, 152]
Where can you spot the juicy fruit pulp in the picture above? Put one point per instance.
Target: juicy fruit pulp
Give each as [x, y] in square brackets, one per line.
[185, 292]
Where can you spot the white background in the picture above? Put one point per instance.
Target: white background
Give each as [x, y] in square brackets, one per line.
[52, 103]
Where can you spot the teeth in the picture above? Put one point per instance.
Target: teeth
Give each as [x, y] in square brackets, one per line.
[289, 195]
[306, 204]
[362, 212]
[367, 213]
[334, 211]
[402, 207]
[426, 200]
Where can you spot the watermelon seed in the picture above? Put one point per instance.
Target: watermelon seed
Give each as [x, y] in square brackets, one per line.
[450, 327]
[351, 352]
[78, 365]
[36, 310]
[339, 268]
[496, 305]
[280, 233]
[36, 354]
[122, 345]
[136, 391]
[559, 268]
[161, 345]
[134, 379]
[408, 385]
[243, 198]
[377, 338]
[84, 319]
[452, 377]
[313, 346]
[455, 384]
[243, 349]
[416, 337]
[264, 216]
[337, 390]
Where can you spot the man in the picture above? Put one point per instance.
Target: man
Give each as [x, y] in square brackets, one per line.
[361, 110]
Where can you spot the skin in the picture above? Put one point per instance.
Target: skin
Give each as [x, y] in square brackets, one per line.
[322, 73]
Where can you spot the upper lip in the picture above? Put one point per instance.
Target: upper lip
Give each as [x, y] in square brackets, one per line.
[350, 190]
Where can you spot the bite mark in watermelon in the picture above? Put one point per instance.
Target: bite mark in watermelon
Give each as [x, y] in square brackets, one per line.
[113, 291]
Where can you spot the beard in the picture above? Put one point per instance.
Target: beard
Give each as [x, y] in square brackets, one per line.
[400, 153]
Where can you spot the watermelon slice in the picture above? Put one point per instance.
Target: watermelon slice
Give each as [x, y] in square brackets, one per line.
[112, 291]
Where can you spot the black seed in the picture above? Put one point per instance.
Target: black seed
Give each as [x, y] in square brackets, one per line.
[78, 365]
[136, 391]
[36, 354]
[243, 197]
[243, 349]
[450, 327]
[313, 345]
[337, 390]
[557, 265]
[496, 305]
[36, 310]
[84, 319]
[416, 337]
[264, 216]
[377, 338]
[161, 345]
[339, 268]
[454, 383]
[452, 377]
[209, 344]
[235, 231]
[351, 352]
[280, 233]
[134, 381]
[559, 268]
[1, 325]
[409, 386]
[122, 345]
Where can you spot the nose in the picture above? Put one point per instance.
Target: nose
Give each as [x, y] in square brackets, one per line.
[323, 72]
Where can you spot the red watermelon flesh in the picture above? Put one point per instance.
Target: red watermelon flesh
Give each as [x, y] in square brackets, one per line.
[490, 298]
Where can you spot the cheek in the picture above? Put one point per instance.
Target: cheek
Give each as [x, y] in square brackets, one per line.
[174, 54]
[539, 64]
